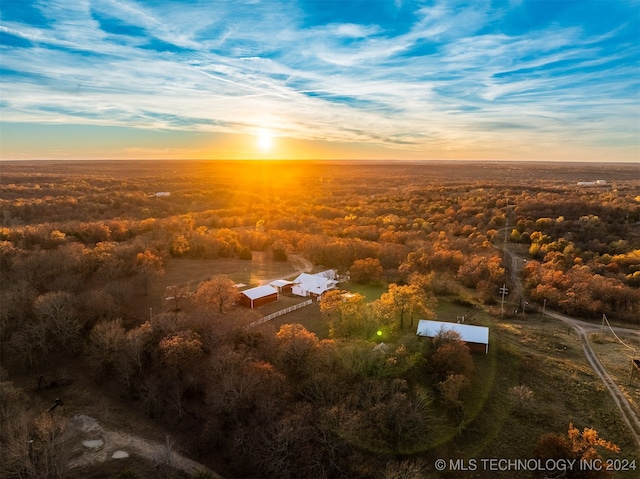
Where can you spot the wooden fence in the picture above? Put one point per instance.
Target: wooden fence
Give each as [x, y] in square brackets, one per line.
[271, 316]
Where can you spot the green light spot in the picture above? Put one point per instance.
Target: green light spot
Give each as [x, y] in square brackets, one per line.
[379, 333]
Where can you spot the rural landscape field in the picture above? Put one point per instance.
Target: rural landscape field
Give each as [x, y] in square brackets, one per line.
[127, 351]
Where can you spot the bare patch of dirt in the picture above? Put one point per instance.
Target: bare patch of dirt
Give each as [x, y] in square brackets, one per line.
[90, 443]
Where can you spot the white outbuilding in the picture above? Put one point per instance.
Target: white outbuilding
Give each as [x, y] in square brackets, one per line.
[476, 337]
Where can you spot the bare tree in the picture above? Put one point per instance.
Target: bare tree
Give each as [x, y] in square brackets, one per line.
[105, 341]
[177, 293]
[521, 395]
[31, 444]
[57, 310]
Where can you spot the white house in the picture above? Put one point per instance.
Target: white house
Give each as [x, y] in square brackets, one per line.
[314, 285]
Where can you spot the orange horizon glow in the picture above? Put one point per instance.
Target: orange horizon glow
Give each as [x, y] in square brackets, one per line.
[82, 142]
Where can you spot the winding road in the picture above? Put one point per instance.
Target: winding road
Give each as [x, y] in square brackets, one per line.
[582, 329]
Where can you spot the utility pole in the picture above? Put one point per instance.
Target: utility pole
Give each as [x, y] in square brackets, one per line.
[544, 305]
[504, 291]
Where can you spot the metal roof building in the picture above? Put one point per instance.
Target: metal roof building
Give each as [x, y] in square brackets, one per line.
[259, 296]
[477, 337]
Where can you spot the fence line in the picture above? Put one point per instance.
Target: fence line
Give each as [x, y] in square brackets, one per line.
[271, 316]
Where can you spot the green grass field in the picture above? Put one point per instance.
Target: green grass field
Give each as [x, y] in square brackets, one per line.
[370, 292]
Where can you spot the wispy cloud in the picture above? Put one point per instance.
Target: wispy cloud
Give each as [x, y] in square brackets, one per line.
[442, 77]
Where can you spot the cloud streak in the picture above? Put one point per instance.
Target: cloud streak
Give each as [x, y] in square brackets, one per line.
[441, 78]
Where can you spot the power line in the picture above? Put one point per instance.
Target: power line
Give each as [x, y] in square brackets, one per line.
[604, 318]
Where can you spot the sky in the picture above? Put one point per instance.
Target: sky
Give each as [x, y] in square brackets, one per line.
[310, 79]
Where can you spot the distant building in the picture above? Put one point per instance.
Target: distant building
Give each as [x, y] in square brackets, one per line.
[592, 183]
[255, 297]
[476, 337]
[160, 194]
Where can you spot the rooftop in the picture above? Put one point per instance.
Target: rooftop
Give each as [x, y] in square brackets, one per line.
[467, 332]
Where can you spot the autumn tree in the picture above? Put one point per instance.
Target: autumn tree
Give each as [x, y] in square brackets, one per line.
[404, 302]
[386, 416]
[452, 387]
[296, 348]
[180, 354]
[449, 355]
[104, 344]
[368, 270]
[219, 292]
[279, 250]
[578, 446]
[451, 391]
[134, 352]
[147, 265]
[241, 386]
[480, 268]
[179, 246]
[245, 253]
[348, 314]
[330, 303]
[97, 305]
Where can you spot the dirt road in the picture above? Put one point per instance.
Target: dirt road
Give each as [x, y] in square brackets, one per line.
[301, 264]
[582, 328]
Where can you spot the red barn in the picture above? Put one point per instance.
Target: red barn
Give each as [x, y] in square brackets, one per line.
[254, 297]
[282, 285]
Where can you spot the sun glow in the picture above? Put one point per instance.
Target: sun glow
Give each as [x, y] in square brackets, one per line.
[265, 141]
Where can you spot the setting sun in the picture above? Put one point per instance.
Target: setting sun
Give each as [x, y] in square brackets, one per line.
[265, 141]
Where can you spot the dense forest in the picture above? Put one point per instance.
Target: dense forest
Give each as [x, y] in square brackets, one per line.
[81, 243]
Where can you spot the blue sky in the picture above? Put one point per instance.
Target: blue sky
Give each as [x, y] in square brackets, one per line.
[498, 80]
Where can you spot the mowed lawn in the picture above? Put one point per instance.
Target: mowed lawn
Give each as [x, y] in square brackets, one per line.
[260, 270]
[308, 316]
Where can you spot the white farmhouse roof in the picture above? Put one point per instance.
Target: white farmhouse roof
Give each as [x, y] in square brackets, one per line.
[318, 279]
[260, 292]
[467, 332]
[317, 283]
[279, 283]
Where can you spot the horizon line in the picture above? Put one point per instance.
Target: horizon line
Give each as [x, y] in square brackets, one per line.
[330, 160]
